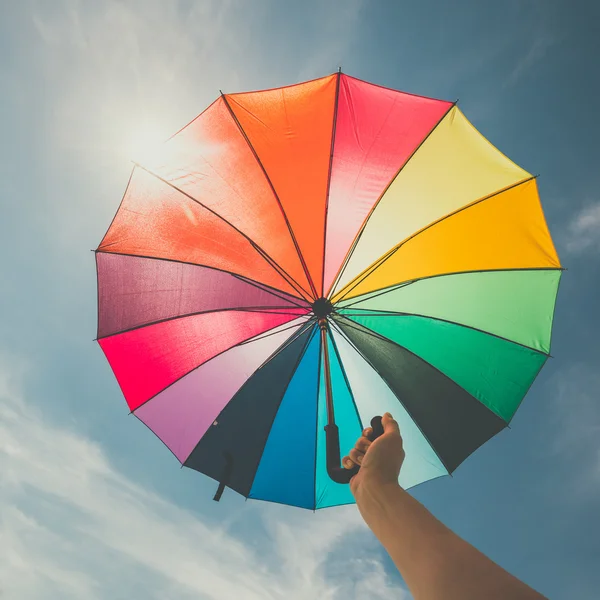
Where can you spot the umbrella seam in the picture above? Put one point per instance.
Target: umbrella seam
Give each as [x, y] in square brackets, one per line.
[264, 170]
[329, 175]
[263, 286]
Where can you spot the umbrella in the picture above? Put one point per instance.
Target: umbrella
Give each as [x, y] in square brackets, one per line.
[297, 260]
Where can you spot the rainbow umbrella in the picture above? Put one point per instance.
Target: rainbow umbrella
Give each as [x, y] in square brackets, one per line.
[297, 260]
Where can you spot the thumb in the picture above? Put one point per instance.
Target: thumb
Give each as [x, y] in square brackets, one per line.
[389, 424]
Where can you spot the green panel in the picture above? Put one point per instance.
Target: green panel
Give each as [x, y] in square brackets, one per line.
[517, 305]
[496, 372]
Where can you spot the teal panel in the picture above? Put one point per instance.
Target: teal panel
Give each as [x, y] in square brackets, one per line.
[350, 428]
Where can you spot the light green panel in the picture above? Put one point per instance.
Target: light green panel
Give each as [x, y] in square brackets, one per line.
[517, 305]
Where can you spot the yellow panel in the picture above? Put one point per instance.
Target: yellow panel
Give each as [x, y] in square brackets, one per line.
[505, 231]
[454, 167]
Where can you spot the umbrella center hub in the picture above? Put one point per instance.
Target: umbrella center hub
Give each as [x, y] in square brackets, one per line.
[322, 308]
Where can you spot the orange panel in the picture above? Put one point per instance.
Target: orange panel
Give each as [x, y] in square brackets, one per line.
[158, 221]
[290, 130]
[505, 231]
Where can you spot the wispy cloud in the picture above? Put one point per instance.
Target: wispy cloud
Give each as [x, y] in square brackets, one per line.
[583, 231]
[75, 527]
[577, 412]
[536, 52]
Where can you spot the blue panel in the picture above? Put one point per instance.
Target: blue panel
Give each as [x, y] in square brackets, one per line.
[286, 472]
[350, 429]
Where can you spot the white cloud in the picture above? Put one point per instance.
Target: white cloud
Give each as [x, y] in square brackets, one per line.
[72, 526]
[583, 231]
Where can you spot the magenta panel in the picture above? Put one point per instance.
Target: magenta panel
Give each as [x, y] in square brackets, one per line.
[146, 360]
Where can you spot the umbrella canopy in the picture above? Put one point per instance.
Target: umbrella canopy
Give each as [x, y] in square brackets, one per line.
[314, 255]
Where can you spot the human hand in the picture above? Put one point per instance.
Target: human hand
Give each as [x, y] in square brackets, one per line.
[380, 461]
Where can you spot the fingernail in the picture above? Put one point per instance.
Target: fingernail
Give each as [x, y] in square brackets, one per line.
[359, 459]
[389, 415]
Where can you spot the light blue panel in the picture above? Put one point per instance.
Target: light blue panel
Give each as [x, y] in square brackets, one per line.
[373, 397]
[330, 493]
[286, 473]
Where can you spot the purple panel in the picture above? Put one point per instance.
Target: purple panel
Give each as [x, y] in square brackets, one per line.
[134, 291]
[181, 414]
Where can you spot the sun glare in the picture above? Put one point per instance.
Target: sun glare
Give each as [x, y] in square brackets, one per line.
[145, 143]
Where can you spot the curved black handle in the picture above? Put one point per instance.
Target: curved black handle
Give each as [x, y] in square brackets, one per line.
[338, 473]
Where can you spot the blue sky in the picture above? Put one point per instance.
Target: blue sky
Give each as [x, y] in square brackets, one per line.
[91, 504]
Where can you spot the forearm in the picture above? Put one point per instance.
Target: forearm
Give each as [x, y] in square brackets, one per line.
[433, 560]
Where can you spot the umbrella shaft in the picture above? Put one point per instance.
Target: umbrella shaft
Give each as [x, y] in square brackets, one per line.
[328, 388]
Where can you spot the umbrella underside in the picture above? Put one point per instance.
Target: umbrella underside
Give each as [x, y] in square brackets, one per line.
[387, 214]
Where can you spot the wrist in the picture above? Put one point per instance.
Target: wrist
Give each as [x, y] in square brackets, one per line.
[374, 491]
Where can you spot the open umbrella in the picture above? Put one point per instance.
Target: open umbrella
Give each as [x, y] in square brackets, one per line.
[297, 260]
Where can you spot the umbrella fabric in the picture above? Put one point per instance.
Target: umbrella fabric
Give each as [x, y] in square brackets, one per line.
[386, 216]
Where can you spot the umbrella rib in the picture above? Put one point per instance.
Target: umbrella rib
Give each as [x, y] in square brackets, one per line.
[350, 251]
[333, 131]
[252, 339]
[417, 425]
[388, 313]
[287, 222]
[266, 256]
[275, 310]
[380, 261]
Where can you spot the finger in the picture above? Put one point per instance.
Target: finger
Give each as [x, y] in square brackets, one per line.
[356, 456]
[367, 432]
[362, 444]
[389, 424]
[347, 462]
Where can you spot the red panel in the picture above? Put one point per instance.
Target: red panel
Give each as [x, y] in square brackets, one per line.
[158, 221]
[290, 129]
[377, 129]
[211, 160]
[147, 360]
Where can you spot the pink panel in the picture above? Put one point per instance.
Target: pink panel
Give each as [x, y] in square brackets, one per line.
[181, 414]
[147, 360]
[377, 129]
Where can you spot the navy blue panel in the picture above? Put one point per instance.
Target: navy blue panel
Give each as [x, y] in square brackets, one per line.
[243, 425]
